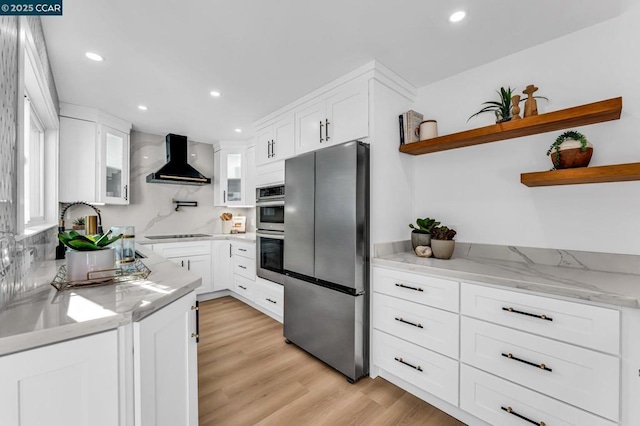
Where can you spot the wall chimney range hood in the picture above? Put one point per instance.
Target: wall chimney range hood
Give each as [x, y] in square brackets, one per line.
[177, 170]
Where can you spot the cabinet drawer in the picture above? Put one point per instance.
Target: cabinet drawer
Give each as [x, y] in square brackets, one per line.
[581, 377]
[423, 368]
[423, 289]
[245, 267]
[584, 325]
[244, 287]
[270, 296]
[244, 250]
[192, 248]
[427, 327]
[490, 398]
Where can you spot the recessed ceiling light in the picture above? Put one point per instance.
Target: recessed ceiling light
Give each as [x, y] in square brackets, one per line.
[215, 94]
[94, 56]
[142, 107]
[457, 16]
[238, 130]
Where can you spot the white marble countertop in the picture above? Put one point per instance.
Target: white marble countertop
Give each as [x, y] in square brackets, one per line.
[477, 264]
[41, 315]
[248, 236]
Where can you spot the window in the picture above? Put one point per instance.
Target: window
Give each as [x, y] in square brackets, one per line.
[33, 166]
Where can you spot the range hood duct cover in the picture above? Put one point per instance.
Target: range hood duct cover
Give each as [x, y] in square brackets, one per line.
[177, 170]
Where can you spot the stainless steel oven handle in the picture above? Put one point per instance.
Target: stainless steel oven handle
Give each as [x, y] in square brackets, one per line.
[270, 203]
[271, 234]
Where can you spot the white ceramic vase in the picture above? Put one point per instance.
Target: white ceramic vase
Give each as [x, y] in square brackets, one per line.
[80, 263]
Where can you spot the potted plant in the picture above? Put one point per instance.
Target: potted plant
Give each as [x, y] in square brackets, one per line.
[420, 236]
[571, 149]
[88, 254]
[442, 243]
[501, 109]
[78, 223]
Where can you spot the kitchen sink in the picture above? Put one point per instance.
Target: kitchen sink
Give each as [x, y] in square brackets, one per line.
[165, 237]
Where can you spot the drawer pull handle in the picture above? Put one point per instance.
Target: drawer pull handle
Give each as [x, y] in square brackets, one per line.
[409, 287]
[242, 249]
[400, 360]
[409, 322]
[544, 317]
[243, 267]
[272, 301]
[541, 366]
[520, 416]
[242, 287]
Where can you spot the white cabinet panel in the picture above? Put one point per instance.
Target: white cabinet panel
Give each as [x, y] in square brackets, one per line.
[193, 256]
[500, 403]
[310, 125]
[73, 383]
[348, 113]
[269, 296]
[222, 265]
[77, 158]
[165, 363]
[244, 287]
[590, 326]
[230, 177]
[581, 377]
[275, 141]
[244, 249]
[245, 267]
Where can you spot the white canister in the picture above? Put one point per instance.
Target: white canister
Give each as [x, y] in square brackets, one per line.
[428, 129]
[84, 265]
[226, 226]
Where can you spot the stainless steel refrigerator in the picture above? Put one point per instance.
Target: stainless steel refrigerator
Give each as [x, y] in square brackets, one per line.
[326, 256]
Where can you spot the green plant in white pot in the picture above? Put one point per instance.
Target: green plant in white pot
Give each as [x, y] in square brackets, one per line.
[421, 234]
[442, 243]
[88, 255]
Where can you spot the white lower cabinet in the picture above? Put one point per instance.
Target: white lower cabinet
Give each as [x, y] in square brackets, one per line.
[194, 256]
[222, 266]
[500, 402]
[421, 367]
[165, 366]
[270, 296]
[73, 383]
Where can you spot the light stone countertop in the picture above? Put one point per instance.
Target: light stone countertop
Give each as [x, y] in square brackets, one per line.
[248, 237]
[41, 315]
[597, 278]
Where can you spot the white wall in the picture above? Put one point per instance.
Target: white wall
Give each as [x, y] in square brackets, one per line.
[477, 189]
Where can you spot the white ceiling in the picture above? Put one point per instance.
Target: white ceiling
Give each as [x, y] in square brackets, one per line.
[169, 54]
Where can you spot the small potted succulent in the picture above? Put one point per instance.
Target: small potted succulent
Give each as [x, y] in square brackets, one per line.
[88, 254]
[442, 243]
[78, 223]
[571, 149]
[421, 235]
[501, 109]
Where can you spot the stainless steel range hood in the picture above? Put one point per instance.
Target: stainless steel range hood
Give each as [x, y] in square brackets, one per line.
[177, 170]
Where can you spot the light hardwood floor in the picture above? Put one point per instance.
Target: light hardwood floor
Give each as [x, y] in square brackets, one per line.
[248, 376]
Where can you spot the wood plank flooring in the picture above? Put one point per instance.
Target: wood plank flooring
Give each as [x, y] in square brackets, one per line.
[249, 376]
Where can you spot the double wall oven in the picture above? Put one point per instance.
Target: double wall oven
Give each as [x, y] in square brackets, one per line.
[270, 232]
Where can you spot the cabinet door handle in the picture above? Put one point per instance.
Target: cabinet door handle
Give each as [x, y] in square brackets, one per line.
[242, 287]
[197, 333]
[224, 196]
[326, 129]
[241, 249]
[230, 248]
[543, 317]
[409, 322]
[273, 148]
[189, 264]
[272, 301]
[182, 263]
[520, 416]
[241, 266]
[321, 126]
[415, 367]
[126, 192]
[533, 364]
[268, 149]
[409, 287]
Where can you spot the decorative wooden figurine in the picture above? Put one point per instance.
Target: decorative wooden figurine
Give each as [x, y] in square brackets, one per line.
[530, 105]
[515, 109]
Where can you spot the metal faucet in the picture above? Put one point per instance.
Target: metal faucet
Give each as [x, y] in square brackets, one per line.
[60, 250]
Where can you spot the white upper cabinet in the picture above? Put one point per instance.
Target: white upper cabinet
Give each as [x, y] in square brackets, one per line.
[275, 141]
[230, 175]
[94, 156]
[339, 116]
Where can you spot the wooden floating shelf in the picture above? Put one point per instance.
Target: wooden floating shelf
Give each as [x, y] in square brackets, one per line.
[597, 112]
[598, 174]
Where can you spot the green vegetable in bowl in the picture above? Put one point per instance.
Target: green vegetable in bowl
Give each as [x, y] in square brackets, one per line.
[75, 241]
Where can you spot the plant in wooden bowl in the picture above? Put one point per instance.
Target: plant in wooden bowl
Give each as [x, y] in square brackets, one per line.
[78, 223]
[571, 149]
[421, 235]
[89, 256]
[442, 243]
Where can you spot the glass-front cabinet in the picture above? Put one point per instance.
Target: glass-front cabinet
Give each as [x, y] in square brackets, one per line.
[230, 175]
[114, 179]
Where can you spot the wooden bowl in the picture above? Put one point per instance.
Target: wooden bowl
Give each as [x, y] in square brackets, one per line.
[572, 158]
